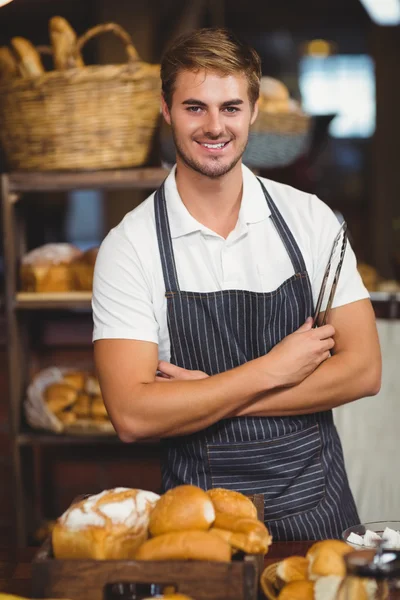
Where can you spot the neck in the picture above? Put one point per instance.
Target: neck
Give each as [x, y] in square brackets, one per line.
[215, 203]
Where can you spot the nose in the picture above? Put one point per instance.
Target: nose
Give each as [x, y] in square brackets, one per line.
[213, 125]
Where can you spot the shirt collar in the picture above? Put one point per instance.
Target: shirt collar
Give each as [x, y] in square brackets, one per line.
[253, 209]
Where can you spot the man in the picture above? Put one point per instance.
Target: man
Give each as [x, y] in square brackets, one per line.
[202, 304]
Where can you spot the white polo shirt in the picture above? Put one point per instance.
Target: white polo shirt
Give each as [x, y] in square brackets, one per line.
[128, 289]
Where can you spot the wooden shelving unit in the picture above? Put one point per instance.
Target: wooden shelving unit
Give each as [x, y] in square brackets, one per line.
[17, 304]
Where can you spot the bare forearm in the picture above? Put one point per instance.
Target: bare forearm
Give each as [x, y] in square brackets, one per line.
[182, 407]
[339, 380]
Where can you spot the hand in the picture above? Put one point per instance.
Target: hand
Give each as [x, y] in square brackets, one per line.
[169, 372]
[299, 354]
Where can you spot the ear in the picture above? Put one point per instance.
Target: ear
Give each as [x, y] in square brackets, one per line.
[165, 110]
[254, 114]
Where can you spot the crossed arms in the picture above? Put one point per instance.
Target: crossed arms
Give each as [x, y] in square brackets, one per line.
[298, 376]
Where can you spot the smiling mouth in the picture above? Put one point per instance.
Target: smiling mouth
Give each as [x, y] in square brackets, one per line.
[215, 146]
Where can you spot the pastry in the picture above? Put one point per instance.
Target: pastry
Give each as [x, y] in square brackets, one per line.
[75, 379]
[297, 590]
[83, 270]
[326, 558]
[8, 65]
[110, 525]
[293, 568]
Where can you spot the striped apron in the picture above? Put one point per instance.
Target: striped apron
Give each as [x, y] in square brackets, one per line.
[297, 461]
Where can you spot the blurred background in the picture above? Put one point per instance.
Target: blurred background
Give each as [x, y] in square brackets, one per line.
[339, 60]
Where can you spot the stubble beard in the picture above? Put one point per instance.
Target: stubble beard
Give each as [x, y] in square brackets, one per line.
[212, 169]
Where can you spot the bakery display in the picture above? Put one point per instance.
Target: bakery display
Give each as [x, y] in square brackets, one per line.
[57, 268]
[109, 525]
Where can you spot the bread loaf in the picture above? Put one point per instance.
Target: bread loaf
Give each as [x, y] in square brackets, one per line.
[181, 508]
[298, 590]
[293, 568]
[63, 43]
[232, 503]
[326, 558]
[75, 379]
[83, 270]
[48, 268]
[110, 525]
[30, 63]
[185, 545]
[8, 65]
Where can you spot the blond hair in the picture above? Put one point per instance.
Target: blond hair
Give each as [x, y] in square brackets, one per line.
[210, 49]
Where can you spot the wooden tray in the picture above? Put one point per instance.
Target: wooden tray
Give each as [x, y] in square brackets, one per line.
[202, 580]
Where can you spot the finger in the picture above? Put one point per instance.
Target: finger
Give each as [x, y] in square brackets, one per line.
[162, 379]
[324, 356]
[306, 326]
[328, 344]
[169, 369]
[324, 332]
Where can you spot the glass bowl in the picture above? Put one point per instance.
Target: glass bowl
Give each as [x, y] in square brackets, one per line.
[376, 526]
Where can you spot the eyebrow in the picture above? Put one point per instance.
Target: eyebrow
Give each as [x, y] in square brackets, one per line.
[233, 102]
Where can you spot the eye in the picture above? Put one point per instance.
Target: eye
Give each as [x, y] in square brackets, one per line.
[194, 109]
[232, 109]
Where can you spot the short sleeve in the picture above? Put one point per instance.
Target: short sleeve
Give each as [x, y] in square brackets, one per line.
[122, 304]
[350, 287]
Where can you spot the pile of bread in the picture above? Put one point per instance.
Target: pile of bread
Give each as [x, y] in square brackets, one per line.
[24, 60]
[57, 268]
[275, 97]
[185, 523]
[76, 400]
[319, 575]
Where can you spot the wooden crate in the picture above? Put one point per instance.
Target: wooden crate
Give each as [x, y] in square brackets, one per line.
[202, 580]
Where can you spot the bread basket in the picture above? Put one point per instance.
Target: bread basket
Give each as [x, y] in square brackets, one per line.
[39, 416]
[93, 117]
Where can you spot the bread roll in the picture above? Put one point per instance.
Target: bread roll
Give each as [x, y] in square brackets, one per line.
[67, 417]
[82, 406]
[183, 507]
[185, 545]
[8, 65]
[48, 268]
[326, 558]
[30, 63]
[293, 568]
[59, 396]
[297, 590]
[75, 379]
[250, 543]
[273, 89]
[98, 408]
[232, 503]
[63, 43]
[110, 525]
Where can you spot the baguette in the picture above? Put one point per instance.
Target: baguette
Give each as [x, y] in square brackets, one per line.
[30, 63]
[185, 545]
[8, 65]
[63, 42]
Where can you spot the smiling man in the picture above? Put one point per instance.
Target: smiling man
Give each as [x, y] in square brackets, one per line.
[202, 302]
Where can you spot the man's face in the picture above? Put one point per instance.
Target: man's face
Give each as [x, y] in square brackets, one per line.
[210, 118]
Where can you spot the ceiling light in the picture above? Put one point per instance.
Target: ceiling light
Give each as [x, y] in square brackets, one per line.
[383, 12]
[3, 2]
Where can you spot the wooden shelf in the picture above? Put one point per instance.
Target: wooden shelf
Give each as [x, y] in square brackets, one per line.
[53, 300]
[141, 178]
[44, 438]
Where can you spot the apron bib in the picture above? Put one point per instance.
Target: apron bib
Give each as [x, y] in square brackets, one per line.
[296, 462]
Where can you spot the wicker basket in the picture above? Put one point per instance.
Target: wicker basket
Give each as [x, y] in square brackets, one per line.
[268, 582]
[95, 117]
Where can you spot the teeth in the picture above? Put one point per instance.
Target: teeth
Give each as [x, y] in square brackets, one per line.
[214, 145]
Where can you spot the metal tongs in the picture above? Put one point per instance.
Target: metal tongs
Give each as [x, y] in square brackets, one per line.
[342, 230]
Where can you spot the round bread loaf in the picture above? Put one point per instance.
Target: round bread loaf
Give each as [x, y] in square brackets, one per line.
[181, 508]
[185, 545]
[326, 558]
[293, 568]
[232, 503]
[110, 525]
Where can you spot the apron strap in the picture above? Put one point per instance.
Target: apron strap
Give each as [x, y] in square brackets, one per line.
[285, 234]
[165, 242]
